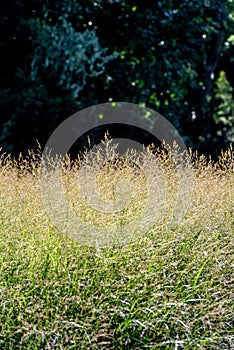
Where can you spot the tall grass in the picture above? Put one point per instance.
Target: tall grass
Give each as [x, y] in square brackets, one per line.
[170, 288]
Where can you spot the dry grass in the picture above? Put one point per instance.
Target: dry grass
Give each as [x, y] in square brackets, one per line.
[168, 288]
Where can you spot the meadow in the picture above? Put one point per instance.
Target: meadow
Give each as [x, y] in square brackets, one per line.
[171, 287]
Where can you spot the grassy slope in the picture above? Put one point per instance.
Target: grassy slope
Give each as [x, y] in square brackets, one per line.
[170, 289]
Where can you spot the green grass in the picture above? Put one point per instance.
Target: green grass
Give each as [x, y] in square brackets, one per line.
[171, 288]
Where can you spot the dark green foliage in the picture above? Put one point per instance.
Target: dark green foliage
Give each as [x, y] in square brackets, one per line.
[59, 57]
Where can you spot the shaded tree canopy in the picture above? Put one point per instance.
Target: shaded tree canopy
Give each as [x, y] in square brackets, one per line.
[175, 57]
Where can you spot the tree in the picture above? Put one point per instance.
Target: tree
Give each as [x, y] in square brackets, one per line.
[167, 55]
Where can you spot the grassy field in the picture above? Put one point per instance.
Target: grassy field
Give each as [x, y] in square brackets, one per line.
[169, 288]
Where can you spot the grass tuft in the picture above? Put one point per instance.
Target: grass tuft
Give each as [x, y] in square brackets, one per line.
[170, 287]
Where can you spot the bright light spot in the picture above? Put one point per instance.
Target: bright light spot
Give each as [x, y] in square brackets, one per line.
[204, 36]
[212, 76]
[90, 23]
[133, 83]
[148, 113]
[194, 116]
[231, 39]
[161, 43]
[95, 4]
[110, 99]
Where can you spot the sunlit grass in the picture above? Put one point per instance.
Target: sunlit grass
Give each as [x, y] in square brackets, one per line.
[171, 288]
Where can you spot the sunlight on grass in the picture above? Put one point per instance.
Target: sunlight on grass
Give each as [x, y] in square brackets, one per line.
[171, 288]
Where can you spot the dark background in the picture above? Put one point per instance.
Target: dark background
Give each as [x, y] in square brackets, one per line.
[58, 57]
